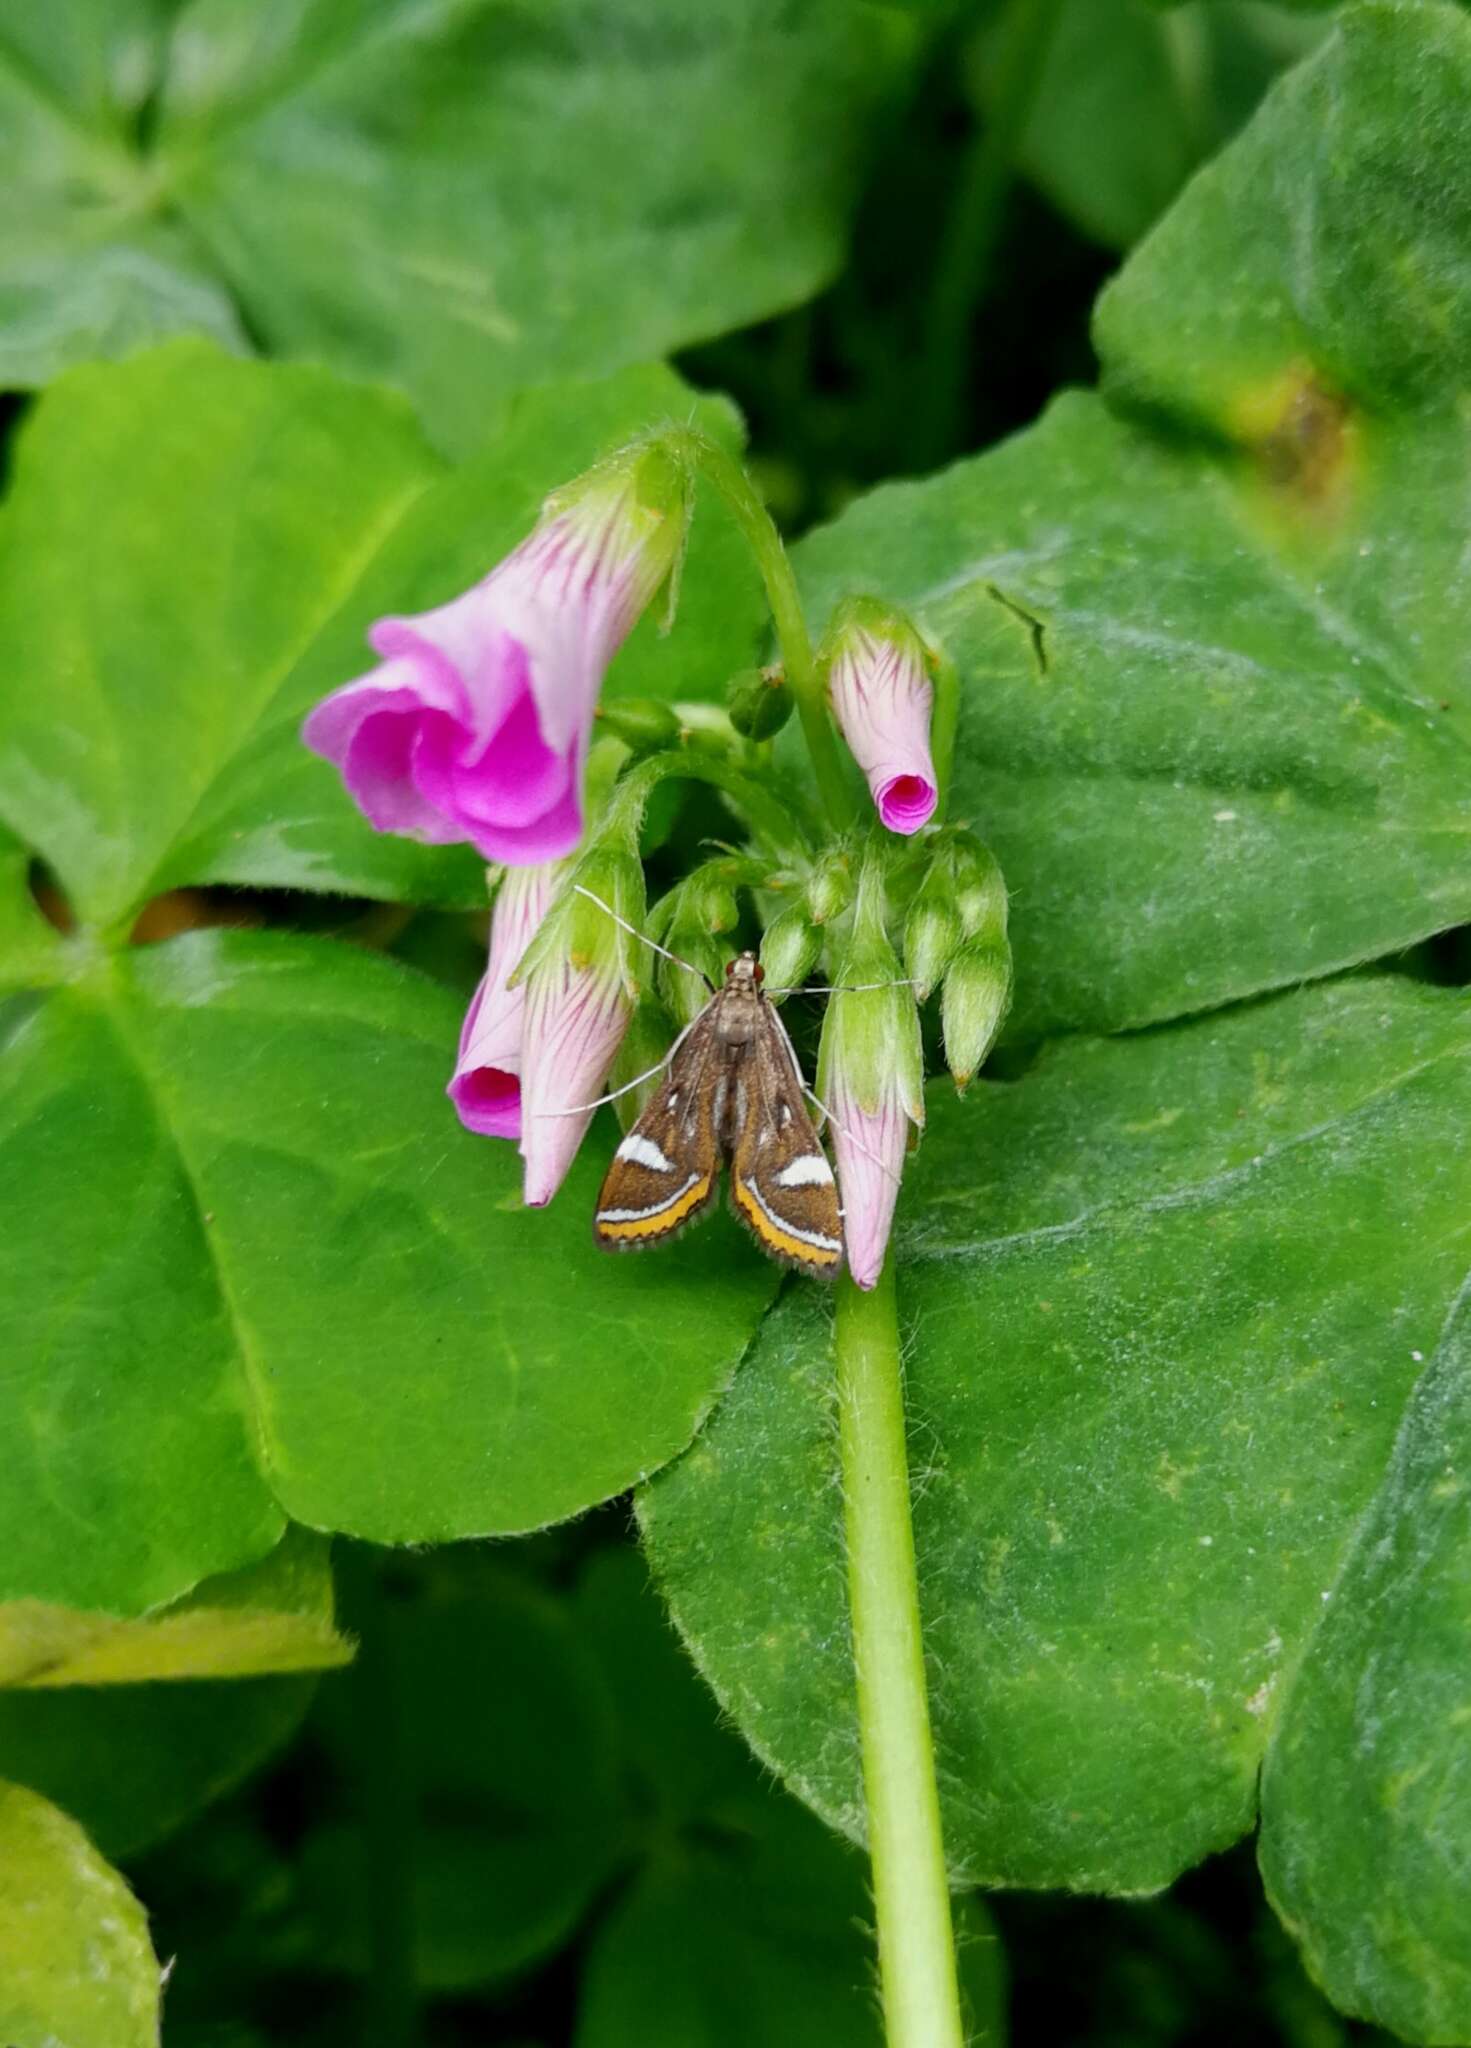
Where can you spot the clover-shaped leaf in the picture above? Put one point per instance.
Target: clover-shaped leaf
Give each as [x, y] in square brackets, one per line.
[466, 202]
[254, 1266]
[1213, 625]
[1165, 1298]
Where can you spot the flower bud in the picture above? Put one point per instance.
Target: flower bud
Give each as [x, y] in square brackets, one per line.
[933, 928]
[830, 885]
[642, 723]
[871, 1076]
[974, 1004]
[878, 681]
[980, 888]
[790, 946]
[759, 702]
[581, 977]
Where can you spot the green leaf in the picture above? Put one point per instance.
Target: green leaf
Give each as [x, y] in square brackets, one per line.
[465, 203]
[194, 548]
[1131, 100]
[133, 1762]
[1212, 632]
[252, 1264]
[275, 1616]
[1163, 1300]
[1366, 1799]
[76, 1966]
[503, 1747]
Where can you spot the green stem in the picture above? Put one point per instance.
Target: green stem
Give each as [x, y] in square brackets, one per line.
[973, 228]
[911, 1893]
[772, 820]
[798, 660]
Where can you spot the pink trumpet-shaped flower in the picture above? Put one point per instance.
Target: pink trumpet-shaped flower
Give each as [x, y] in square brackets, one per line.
[476, 724]
[871, 1079]
[882, 697]
[485, 1087]
[575, 1020]
[869, 1146]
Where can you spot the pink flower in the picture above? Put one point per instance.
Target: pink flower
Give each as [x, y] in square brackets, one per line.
[485, 1087]
[476, 724]
[575, 1020]
[871, 1077]
[882, 697]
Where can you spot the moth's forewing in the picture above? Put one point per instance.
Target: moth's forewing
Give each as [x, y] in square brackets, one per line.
[781, 1183]
[664, 1172]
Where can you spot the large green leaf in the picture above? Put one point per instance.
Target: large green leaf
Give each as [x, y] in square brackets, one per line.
[484, 197]
[1366, 1798]
[1213, 633]
[251, 1264]
[191, 554]
[1130, 101]
[76, 1966]
[1164, 1300]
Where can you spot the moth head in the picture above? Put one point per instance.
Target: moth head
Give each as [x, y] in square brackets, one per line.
[745, 971]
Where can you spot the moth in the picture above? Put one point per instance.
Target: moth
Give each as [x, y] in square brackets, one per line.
[733, 1092]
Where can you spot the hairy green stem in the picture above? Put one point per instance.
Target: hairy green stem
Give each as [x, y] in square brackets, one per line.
[798, 659]
[773, 821]
[962, 270]
[911, 1894]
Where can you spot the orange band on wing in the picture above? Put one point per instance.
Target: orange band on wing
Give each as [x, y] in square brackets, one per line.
[789, 1247]
[658, 1220]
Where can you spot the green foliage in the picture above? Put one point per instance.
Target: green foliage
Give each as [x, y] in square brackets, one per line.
[448, 227]
[1186, 1349]
[75, 1961]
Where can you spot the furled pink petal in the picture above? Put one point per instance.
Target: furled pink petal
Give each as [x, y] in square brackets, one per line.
[485, 1087]
[869, 1147]
[575, 1020]
[476, 726]
[882, 698]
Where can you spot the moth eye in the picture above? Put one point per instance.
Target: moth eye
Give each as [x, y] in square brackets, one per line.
[760, 973]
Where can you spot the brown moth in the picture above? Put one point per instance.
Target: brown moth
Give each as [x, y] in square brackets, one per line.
[733, 1091]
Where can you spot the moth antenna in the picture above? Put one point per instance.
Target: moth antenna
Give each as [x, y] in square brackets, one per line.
[812, 1094]
[634, 931]
[838, 988]
[582, 1108]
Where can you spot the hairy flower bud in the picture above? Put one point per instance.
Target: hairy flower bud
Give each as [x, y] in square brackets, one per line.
[933, 928]
[830, 885]
[871, 1076]
[790, 947]
[878, 681]
[973, 1007]
[581, 979]
[759, 702]
[980, 888]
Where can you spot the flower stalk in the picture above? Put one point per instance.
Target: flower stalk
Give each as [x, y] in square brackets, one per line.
[911, 1892]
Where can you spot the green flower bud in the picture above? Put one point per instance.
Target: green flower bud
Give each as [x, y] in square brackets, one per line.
[980, 888]
[642, 723]
[974, 1005]
[790, 946]
[683, 993]
[933, 928]
[830, 886]
[759, 702]
[710, 899]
